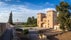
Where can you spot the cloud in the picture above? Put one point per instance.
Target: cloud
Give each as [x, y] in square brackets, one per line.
[39, 6]
[8, 0]
[47, 3]
[11, 0]
[3, 4]
[20, 12]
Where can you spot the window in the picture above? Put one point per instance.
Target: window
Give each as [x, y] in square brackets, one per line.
[48, 26]
[48, 20]
[48, 23]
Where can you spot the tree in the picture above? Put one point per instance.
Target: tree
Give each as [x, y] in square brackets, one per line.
[32, 19]
[29, 20]
[64, 15]
[10, 19]
[35, 22]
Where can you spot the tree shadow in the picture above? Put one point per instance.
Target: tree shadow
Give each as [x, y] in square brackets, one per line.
[52, 38]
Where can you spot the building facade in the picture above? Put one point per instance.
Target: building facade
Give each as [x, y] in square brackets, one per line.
[3, 27]
[48, 20]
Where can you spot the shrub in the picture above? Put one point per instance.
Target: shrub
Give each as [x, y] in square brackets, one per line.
[30, 25]
[40, 31]
[25, 31]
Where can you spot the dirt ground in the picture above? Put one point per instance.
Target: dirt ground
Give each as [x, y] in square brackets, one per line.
[64, 36]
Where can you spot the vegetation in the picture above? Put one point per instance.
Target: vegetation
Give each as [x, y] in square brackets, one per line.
[25, 31]
[40, 31]
[31, 22]
[22, 34]
[10, 19]
[64, 15]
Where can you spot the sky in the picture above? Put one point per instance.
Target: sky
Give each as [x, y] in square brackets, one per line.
[22, 9]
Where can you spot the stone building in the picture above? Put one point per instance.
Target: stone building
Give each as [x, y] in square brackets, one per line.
[48, 20]
[3, 27]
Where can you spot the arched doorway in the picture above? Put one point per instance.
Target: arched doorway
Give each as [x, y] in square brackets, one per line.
[43, 25]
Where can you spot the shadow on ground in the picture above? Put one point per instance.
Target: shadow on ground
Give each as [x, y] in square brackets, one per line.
[52, 38]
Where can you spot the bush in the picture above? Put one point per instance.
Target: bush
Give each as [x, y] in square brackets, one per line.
[30, 25]
[25, 31]
[40, 31]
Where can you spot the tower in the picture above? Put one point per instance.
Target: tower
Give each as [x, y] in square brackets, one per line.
[40, 17]
[51, 18]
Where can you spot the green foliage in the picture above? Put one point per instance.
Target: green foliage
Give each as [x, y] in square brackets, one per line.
[40, 31]
[31, 22]
[10, 19]
[25, 31]
[64, 15]
[32, 25]
[62, 27]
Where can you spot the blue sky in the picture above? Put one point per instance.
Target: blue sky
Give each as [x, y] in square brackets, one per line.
[22, 9]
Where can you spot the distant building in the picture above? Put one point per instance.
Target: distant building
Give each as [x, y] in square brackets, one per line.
[48, 20]
[2, 27]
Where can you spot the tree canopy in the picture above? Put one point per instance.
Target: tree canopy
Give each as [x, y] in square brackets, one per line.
[64, 15]
[31, 22]
[10, 19]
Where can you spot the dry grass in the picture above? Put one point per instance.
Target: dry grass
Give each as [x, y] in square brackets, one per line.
[64, 36]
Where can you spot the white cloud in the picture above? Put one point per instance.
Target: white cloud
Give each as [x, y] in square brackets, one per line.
[8, 0]
[12, 0]
[2, 4]
[20, 12]
[49, 4]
